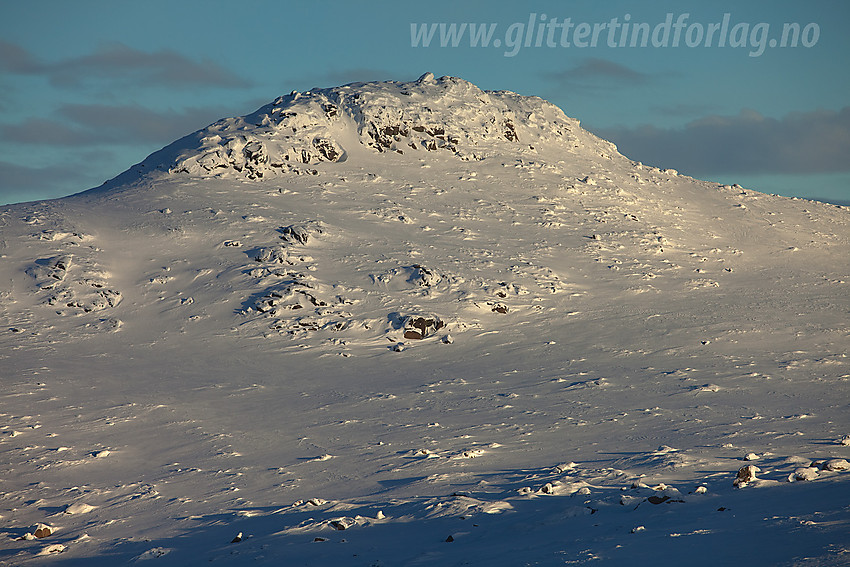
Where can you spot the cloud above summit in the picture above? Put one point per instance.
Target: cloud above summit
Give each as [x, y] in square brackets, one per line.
[121, 63]
[76, 124]
[748, 143]
[595, 73]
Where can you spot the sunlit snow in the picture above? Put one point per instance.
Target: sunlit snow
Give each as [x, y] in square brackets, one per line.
[421, 324]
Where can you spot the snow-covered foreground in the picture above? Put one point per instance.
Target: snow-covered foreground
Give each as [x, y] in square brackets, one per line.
[421, 324]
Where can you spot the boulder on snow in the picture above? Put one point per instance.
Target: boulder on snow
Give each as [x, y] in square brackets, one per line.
[746, 474]
[42, 531]
[275, 254]
[343, 523]
[79, 508]
[836, 465]
[301, 233]
[804, 473]
[499, 308]
[419, 327]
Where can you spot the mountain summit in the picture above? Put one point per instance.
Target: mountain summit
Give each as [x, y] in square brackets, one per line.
[295, 132]
[421, 323]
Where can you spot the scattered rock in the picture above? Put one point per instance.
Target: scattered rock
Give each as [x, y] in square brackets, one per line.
[450, 539]
[237, 539]
[471, 454]
[448, 339]
[638, 529]
[751, 457]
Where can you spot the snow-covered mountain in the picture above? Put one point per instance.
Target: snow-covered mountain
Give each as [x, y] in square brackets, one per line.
[421, 324]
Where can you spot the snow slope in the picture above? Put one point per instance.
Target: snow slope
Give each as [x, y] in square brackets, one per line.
[421, 324]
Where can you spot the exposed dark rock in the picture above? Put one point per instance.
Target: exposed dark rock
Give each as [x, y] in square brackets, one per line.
[423, 276]
[745, 475]
[500, 308]
[343, 523]
[301, 233]
[421, 327]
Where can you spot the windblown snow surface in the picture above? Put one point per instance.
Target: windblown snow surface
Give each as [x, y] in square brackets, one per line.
[393, 324]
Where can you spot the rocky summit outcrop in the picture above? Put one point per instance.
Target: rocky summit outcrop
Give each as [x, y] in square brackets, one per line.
[294, 133]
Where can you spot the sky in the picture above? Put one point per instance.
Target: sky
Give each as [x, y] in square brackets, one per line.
[749, 92]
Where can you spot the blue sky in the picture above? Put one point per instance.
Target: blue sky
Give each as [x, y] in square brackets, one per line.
[88, 88]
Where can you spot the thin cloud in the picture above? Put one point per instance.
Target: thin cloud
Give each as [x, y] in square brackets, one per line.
[118, 62]
[15, 59]
[685, 110]
[749, 143]
[91, 124]
[43, 131]
[596, 73]
[138, 123]
[20, 183]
